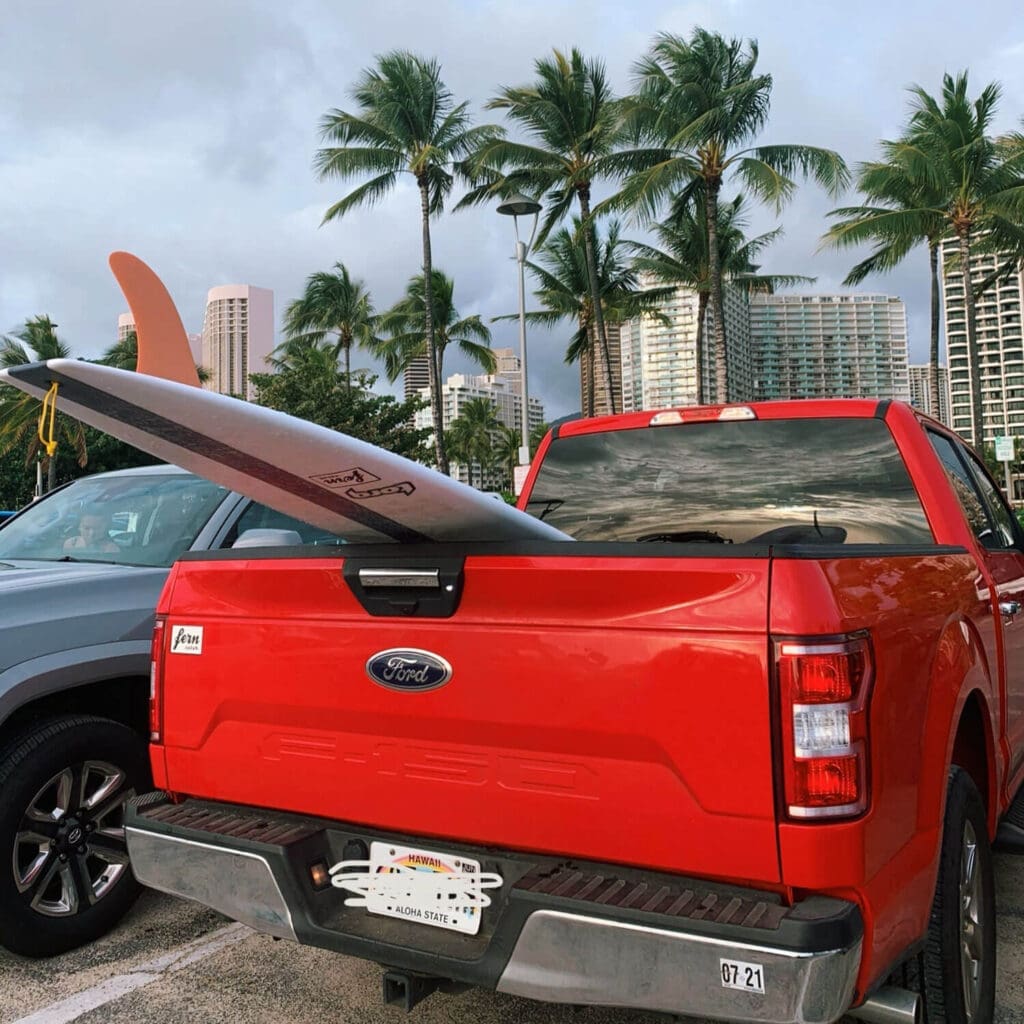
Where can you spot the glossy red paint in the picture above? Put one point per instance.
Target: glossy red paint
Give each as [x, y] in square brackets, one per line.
[617, 708]
[583, 714]
[912, 607]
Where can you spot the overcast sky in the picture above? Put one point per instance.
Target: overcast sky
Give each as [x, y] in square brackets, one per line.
[184, 132]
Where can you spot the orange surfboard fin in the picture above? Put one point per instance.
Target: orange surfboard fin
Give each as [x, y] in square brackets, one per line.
[163, 344]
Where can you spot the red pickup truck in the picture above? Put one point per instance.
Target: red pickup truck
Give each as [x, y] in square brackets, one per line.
[738, 751]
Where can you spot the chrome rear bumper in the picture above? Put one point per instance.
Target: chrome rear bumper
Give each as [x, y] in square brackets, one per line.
[549, 948]
[568, 958]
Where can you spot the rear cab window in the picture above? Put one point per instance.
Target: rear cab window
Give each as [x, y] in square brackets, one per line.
[260, 517]
[786, 481]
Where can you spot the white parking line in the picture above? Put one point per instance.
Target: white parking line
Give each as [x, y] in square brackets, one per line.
[70, 1009]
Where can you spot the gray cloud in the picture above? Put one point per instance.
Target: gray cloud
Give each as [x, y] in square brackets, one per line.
[185, 132]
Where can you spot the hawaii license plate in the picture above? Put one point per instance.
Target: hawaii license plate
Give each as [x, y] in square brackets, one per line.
[443, 890]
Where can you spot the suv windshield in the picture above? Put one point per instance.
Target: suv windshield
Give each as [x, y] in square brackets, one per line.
[138, 520]
[797, 481]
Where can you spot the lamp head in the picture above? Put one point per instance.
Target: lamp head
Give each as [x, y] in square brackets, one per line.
[518, 205]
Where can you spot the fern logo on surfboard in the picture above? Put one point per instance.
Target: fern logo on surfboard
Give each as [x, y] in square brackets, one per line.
[354, 481]
[346, 477]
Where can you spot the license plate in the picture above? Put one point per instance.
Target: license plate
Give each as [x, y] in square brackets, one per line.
[443, 890]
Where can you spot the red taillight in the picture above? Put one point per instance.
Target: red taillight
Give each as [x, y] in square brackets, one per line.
[822, 678]
[825, 781]
[156, 682]
[824, 690]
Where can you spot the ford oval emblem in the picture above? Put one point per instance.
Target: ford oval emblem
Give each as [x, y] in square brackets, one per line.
[406, 668]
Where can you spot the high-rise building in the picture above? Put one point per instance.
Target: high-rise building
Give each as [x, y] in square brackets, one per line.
[125, 325]
[195, 346]
[659, 353]
[1000, 346]
[458, 389]
[601, 404]
[921, 390]
[829, 346]
[508, 367]
[238, 336]
[416, 377]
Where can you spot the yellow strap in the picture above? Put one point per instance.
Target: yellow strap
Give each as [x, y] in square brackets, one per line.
[49, 403]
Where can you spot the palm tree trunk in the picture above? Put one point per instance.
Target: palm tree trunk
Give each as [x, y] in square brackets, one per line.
[716, 300]
[51, 473]
[437, 412]
[591, 365]
[348, 366]
[698, 348]
[583, 191]
[973, 356]
[933, 383]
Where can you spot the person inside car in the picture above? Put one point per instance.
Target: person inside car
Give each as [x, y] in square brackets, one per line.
[93, 534]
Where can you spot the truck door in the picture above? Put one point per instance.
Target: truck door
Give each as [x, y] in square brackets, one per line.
[1002, 542]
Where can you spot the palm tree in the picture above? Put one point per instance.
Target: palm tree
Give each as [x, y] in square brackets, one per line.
[700, 104]
[333, 303]
[537, 434]
[577, 129]
[903, 212]
[684, 258]
[563, 275]
[506, 452]
[20, 413]
[403, 328]
[124, 355]
[406, 121]
[980, 180]
[472, 435]
[318, 357]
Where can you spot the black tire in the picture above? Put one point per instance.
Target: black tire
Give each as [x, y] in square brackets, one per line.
[962, 929]
[64, 877]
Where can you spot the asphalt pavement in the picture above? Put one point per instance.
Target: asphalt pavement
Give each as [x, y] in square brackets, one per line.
[173, 962]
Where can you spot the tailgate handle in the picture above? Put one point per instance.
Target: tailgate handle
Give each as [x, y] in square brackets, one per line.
[418, 578]
[410, 587]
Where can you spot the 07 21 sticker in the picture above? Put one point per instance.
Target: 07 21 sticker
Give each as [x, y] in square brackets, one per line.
[741, 975]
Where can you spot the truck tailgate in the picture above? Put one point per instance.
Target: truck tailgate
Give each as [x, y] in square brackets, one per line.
[609, 708]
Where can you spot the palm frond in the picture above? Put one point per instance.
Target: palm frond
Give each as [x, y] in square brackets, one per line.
[367, 194]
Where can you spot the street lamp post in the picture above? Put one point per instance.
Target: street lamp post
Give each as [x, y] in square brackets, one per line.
[516, 206]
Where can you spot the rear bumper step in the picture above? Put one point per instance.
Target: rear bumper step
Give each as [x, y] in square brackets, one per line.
[558, 931]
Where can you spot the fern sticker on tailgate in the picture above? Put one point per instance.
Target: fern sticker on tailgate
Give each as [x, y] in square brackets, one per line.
[186, 640]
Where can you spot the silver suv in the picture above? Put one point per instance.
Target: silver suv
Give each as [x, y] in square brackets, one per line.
[80, 574]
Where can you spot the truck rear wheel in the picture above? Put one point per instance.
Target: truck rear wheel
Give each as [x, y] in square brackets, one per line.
[957, 967]
[64, 872]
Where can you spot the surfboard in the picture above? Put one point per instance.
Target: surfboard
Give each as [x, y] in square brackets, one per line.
[331, 480]
[163, 349]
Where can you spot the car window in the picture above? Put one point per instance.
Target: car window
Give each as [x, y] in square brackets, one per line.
[792, 481]
[1006, 535]
[981, 515]
[144, 519]
[260, 517]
